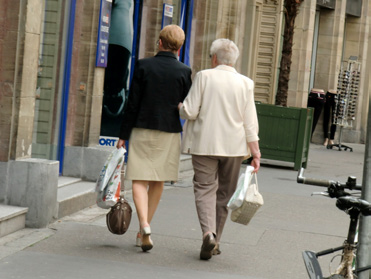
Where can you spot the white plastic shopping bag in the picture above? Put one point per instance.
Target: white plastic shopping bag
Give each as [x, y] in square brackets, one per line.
[109, 167]
[109, 182]
[242, 185]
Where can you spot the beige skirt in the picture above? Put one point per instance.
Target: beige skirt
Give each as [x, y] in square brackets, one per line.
[153, 155]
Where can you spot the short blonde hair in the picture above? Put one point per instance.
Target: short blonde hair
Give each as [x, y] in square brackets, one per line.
[226, 51]
[172, 37]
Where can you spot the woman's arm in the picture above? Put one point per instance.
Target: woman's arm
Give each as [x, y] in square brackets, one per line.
[191, 106]
[131, 110]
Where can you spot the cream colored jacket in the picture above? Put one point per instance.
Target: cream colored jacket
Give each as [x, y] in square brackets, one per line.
[221, 114]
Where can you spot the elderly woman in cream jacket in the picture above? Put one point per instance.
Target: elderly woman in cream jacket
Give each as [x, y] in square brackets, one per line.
[221, 130]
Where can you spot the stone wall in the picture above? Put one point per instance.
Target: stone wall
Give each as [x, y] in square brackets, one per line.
[19, 45]
[24, 181]
[86, 84]
[19, 49]
[302, 55]
[9, 36]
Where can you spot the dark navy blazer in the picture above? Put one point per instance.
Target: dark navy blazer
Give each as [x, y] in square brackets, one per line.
[159, 84]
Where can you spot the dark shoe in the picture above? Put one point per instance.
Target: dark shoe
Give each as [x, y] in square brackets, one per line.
[147, 243]
[207, 247]
[216, 250]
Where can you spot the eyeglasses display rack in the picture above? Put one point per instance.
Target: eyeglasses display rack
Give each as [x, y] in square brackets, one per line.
[346, 99]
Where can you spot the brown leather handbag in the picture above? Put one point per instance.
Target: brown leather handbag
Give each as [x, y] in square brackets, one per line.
[119, 217]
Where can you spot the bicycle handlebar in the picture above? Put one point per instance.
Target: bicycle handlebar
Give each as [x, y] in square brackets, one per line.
[350, 184]
[313, 181]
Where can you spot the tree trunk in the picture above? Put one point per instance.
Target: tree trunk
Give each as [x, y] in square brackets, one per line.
[291, 8]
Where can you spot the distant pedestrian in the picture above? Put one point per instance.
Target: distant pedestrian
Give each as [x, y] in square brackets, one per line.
[151, 122]
[221, 129]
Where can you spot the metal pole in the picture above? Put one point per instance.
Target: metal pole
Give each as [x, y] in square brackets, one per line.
[364, 248]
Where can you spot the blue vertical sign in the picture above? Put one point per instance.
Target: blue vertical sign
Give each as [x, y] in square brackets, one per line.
[186, 23]
[186, 14]
[167, 15]
[103, 33]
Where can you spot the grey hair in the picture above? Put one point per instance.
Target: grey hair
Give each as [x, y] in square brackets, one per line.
[226, 51]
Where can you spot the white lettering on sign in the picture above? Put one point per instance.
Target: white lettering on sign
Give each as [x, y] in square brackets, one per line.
[105, 29]
[324, 2]
[105, 19]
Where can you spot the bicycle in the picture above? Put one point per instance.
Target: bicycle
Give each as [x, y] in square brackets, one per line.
[354, 207]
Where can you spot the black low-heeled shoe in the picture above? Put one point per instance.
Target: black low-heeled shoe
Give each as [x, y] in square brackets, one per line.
[207, 247]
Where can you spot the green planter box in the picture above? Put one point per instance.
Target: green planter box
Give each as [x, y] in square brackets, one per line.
[285, 133]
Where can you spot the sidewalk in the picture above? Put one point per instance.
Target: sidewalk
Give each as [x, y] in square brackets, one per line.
[291, 220]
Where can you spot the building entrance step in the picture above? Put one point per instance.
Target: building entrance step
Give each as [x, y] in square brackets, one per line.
[73, 197]
[12, 219]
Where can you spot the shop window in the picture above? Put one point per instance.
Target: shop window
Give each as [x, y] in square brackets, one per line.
[46, 124]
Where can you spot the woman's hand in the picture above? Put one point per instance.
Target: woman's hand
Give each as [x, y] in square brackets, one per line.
[255, 152]
[120, 143]
[256, 164]
[180, 105]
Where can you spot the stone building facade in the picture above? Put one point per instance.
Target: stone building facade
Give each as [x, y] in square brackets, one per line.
[51, 91]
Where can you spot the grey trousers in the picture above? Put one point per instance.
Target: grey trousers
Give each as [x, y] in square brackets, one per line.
[215, 180]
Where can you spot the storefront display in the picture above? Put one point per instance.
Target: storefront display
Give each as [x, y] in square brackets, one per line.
[346, 99]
